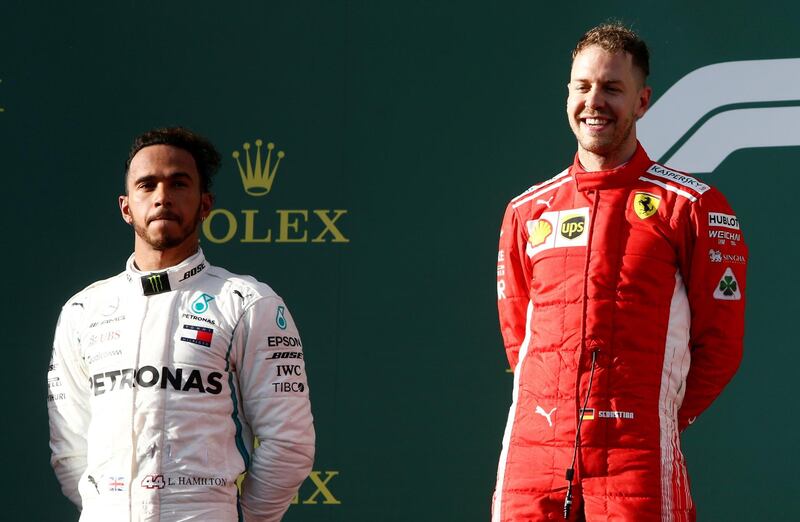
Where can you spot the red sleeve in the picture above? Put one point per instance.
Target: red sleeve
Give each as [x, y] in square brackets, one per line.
[513, 278]
[713, 264]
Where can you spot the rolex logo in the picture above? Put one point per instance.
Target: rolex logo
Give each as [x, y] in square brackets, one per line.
[257, 177]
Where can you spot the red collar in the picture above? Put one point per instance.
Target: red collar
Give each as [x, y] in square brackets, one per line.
[621, 176]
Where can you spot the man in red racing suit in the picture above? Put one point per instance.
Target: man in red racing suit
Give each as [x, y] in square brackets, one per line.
[621, 299]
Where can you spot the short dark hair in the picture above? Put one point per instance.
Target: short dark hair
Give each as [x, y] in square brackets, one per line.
[206, 157]
[614, 37]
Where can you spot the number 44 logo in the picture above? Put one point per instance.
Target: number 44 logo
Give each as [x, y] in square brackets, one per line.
[153, 482]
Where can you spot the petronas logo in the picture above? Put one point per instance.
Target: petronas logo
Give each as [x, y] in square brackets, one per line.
[200, 304]
[257, 176]
[280, 319]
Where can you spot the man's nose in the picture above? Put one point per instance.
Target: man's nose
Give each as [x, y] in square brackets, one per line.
[595, 98]
[162, 195]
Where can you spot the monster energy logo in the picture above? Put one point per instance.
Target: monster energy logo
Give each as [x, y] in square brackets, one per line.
[155, 283]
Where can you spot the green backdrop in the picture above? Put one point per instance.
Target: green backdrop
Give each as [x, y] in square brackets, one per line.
[414, 122]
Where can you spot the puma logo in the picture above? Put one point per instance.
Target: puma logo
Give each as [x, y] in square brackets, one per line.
[546, 415]
[543, 202]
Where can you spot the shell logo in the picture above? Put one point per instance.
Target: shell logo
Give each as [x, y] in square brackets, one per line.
[540, 231]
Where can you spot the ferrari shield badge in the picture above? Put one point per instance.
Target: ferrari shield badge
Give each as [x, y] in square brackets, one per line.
[645, 205]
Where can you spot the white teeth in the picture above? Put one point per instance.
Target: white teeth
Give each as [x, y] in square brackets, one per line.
[595, 121]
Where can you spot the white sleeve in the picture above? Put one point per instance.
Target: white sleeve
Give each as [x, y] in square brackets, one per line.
[68, 405]
[274, 390]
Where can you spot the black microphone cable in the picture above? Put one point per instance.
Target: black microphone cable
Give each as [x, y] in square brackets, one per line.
[571, 470]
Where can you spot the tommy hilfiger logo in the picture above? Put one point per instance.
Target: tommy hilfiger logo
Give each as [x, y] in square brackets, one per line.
[198, 335]
[257, 179]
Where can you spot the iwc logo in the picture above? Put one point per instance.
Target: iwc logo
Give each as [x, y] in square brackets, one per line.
[258, 169]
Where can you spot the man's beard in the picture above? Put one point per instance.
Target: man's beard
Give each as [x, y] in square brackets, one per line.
[610, 145]
[166, 241]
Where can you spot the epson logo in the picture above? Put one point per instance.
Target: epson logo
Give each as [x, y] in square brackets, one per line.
[150, 376]
[716, 219]
[283, 340]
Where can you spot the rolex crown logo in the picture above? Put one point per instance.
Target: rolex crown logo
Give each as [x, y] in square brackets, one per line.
[257, 177]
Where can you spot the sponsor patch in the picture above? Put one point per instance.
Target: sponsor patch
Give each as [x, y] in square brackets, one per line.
[558, 229]
[645, 204]
[539, 232]
[728, 287]
[287, 387]
[679, 178]
[716, 256]
[724, 235]
[717, 219]
[198, 335]
[280, 318]
[193, 272]
[155, 283]
[278, 340]
[200, 305]
[286, 355]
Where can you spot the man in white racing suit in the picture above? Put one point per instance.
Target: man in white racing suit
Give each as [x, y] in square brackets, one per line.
[162, 376]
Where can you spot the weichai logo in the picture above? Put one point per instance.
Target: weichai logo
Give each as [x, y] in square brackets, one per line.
[259, 168]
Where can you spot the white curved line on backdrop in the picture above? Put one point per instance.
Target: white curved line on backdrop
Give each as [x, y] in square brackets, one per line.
[738, 129]
[710, 87]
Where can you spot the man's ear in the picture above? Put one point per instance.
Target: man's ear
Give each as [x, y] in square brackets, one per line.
[206, 203]
[125, 210]
[644, 101]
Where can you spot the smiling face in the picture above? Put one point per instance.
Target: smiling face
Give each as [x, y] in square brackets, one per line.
[164, 202]
[606, 96]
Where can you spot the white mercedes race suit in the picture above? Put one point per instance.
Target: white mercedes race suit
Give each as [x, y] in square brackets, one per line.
[158, 384]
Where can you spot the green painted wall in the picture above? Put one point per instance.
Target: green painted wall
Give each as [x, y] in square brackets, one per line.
[420, 120]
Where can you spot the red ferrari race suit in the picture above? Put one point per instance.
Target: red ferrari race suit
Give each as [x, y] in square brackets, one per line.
[623, 289]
